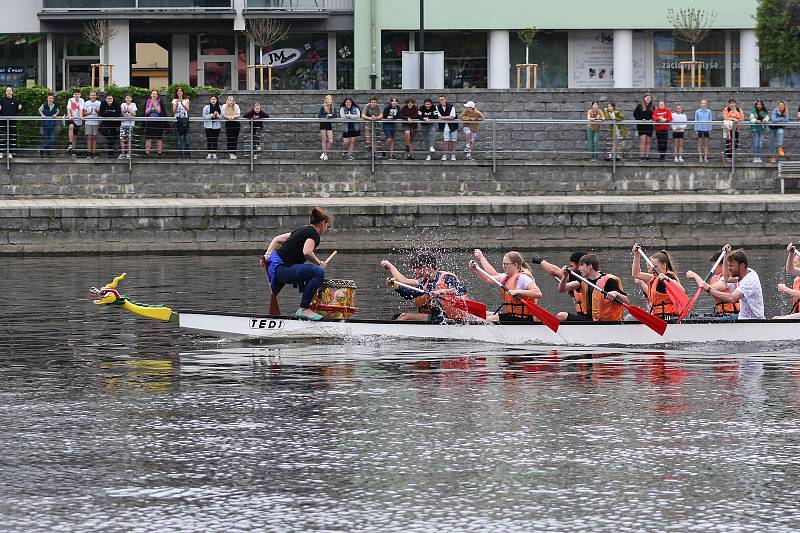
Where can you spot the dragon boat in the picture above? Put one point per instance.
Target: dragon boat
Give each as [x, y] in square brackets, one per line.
[285, 328]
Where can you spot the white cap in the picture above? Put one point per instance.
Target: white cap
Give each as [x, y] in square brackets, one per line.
[470, 104]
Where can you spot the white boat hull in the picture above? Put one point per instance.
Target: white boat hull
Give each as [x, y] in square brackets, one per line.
[581, 334]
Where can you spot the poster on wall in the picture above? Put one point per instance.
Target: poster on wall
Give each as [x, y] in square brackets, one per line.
[593, 64]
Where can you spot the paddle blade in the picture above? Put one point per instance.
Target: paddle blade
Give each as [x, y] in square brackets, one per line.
[546, 317]
[651, 321]
[465, 305]
[690, 304]
[676, 294]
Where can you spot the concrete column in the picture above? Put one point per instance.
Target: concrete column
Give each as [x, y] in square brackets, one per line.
[623, 59]
[119, 53]
[749, 75]
[179, 58]
[332, 61]
[50, 63]
[239, 22]
[498, 60]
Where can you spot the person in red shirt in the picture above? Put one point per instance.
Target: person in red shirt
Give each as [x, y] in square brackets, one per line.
[662, 116]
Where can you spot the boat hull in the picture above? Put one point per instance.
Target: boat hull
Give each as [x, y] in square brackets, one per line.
[580, 334]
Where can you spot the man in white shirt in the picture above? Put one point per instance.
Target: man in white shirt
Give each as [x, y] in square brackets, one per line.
[74, 116]
[91, 109]
[748, 293]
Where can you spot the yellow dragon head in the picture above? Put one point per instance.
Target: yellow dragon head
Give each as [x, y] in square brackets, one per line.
[108, 295]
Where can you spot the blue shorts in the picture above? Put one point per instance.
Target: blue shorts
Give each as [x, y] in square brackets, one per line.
[389, 130]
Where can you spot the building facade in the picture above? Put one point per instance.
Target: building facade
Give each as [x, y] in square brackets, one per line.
[359, 44]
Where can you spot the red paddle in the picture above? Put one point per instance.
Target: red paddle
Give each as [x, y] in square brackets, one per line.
[472, 307]
[651, 321]
[679, 298]
[700, 289]
[546, 317]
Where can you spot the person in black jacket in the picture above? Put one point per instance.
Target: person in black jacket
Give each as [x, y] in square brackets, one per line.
[9, 107]
[644, 111]
[427, 113]
[256, 115]
[110, 128]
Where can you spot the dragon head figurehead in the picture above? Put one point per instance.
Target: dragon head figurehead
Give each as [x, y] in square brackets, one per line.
[109, 295]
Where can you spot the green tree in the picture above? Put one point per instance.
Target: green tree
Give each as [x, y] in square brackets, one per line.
[778, 34]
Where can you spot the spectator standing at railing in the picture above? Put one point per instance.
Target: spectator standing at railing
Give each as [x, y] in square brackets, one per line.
[154, 109]
[409, 114]
[231, 112]
[390, 113]
[180, 110]
[326, 128]
[449, 128]
[372, 113]
[679, 122]
[777, 118]
[9, 107]
[731, 119]
[595, 116]
[256, 116]
[644, 112]
[73, 114]
[212, 126]
[91, 109]
[662, 116]
[128, 109]
[703, 131]
[109, 129]
[471, 118]
[758, 126]
[48, 111]
[428, 113]
[351, 113]
[617, 132]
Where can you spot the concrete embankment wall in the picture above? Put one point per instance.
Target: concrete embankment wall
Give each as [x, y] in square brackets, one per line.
[194, 225]
[293, 178]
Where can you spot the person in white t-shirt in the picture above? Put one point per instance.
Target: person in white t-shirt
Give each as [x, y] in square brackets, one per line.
[90, 115]
[74, 116]
[180, 110]
[747, 293]
[128, 109]
[517, 281]
[678, 126]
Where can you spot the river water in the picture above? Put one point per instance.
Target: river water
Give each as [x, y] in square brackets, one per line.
[114, 423]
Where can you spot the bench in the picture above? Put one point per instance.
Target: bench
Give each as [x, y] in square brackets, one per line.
[788, 170]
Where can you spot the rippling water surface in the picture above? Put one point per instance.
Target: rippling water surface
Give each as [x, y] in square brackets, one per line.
[114, 423]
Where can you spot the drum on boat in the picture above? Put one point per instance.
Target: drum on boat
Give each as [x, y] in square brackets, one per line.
[335, 299]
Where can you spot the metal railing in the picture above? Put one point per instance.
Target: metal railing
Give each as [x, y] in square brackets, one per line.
[380, 142]
[79, 5]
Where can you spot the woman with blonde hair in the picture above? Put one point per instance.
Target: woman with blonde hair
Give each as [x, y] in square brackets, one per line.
[517, 280]
[231, 112]
[326, 128]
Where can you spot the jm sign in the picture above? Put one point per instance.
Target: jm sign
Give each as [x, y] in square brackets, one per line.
[282, 57]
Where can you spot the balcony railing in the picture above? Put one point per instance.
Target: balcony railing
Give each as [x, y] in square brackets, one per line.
[135, 4]
[300, 5]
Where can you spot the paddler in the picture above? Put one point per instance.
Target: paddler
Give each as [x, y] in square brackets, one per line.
[286, 259]
[653, 282]
[747, 293]
[599, 307]
[793, 269]
[516, 277]
[558, 273]
[722, 310]
[433, 283]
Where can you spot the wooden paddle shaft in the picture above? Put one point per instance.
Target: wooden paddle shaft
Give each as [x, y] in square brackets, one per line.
[576, 275]
[644, 255]
[713, 268]
[328, 260]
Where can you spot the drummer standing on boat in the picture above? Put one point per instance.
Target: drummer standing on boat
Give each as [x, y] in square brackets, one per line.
[286, 259]
[432, 282]
[598, 307]
[747, 293]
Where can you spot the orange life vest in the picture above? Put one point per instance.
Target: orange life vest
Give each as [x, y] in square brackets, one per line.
[660, 304]
[796, 301]
[512, 306]
[602, 309]
[578, 296]
[451, 310]
[723, 308]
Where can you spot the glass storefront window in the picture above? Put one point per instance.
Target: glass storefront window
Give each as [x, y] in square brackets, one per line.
[218, 45]
[550, 52]
[345, 72]
[669, 51]
[19, 60]
[301, 62]
[193, 60]
[465, 57]
[393, 44]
